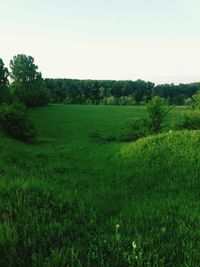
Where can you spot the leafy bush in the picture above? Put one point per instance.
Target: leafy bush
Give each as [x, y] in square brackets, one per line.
[196, 100]
[68, 100]
[190, 120]
[135, 129]
[157, 110]
[15, 123]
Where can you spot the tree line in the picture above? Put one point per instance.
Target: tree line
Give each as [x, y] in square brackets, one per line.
[112, 92]
[24, 84]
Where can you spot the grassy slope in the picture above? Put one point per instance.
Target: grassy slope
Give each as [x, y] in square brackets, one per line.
[62, 198]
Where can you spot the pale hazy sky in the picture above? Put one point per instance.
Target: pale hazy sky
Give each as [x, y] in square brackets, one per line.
[156, 40]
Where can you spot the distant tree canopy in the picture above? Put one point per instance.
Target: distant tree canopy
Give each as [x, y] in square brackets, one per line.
[117, 92]
[97, 91]
[28, 86]
[3, 82]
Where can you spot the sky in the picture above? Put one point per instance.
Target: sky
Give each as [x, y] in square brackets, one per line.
[154, 40]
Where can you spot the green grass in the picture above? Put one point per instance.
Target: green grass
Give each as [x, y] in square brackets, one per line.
[61, 198]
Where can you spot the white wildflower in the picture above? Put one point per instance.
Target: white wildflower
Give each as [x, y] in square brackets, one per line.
[134, 245]
[117, 226]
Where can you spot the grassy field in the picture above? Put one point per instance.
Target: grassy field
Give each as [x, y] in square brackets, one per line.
[73, 199]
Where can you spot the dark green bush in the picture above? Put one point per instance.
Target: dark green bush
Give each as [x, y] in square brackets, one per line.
[196, 100]
[135, 129]
[157, 110]
[15, 123]
[190, 120]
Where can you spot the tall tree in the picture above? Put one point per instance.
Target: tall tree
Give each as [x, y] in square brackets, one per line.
[3, 82]
[28, 84]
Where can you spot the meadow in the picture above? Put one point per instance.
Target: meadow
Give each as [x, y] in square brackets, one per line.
[78, 198]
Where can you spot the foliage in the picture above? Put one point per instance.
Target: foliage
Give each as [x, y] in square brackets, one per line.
[28, 85]
[14, 122]
[152, 123]
[24, 69]
[111, 100]
[190, 120]
[125, 92]
[4, 92]
[126, 100]
[29, 88]
[188, 101]
[68, 100]
[134, 130]
[32, 94]
[157, 110]
[196, 100]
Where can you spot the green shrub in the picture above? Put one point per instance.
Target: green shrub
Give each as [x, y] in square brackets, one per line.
[15, 123]
[157, 110]
[190, 120]
[196, 100]
[135, 129]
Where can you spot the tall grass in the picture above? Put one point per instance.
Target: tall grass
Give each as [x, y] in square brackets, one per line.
[71, 200]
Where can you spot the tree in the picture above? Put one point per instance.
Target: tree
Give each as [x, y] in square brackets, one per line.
[3, 82]
[14, 122]
[188, 101]
[102, 92]
[28, 85]
[157, 110]
[196, 100]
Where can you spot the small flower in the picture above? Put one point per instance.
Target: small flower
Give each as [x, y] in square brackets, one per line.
[117, 226]
[134, 245]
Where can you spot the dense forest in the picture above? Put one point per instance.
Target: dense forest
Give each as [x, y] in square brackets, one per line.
[111, 92]
[24, 83]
